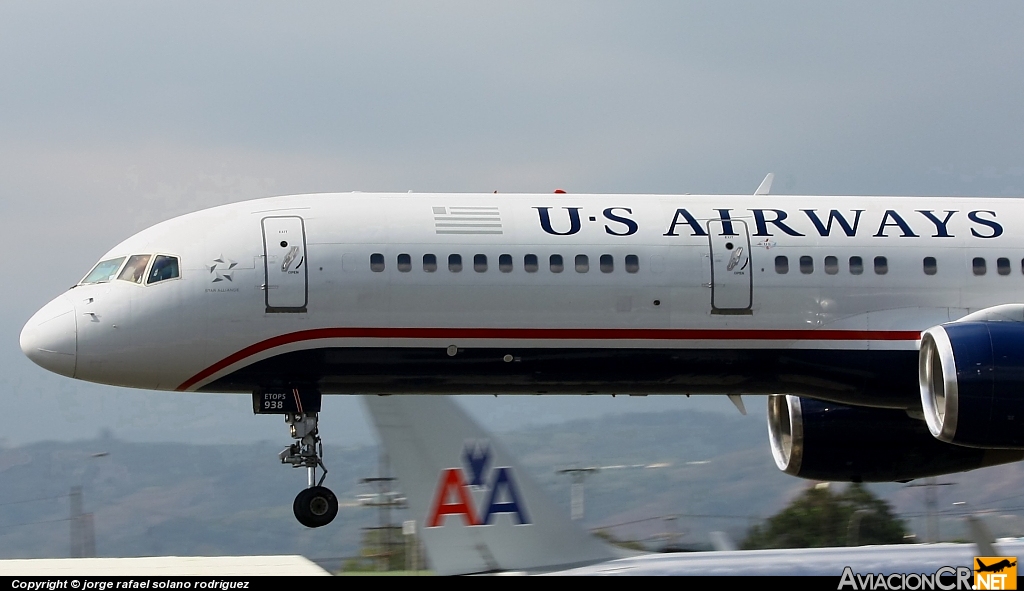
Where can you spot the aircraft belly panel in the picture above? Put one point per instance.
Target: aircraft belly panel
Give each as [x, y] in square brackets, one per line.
[880, 378]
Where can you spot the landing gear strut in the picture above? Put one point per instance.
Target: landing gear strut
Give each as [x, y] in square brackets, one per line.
[316, 505]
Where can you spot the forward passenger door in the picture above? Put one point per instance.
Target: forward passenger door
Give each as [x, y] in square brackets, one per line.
[732, 288]
[286, 284]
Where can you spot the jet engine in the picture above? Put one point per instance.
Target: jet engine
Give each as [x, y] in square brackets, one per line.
[972, 383]
[827, 441]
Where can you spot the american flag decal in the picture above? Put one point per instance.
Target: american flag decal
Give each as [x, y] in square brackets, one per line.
[477, 219]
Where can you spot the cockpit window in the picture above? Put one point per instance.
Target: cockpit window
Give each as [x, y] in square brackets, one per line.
[164, 267]
[135, 268]
[104, 271]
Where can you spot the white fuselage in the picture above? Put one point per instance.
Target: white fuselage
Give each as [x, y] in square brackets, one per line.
[365, 293]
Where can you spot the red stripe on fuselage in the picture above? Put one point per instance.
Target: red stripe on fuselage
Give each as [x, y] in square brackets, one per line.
[557, 334]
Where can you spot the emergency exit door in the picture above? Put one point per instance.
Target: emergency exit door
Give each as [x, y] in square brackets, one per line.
[731, 273]
[286, 282]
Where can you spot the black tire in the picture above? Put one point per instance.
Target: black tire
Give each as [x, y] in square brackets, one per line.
[315, 506]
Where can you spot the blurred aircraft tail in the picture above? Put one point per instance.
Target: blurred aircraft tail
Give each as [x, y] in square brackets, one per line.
[476, 509]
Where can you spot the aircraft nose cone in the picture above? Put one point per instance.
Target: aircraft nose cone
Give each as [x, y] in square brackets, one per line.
[50, 337]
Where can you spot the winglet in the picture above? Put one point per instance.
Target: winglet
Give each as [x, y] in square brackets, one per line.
[478, 510]
[766, 185]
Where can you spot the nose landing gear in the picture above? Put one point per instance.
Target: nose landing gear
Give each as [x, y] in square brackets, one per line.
[316, 505]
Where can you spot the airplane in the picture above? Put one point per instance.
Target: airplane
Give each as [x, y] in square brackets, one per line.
[995, 567]
[477, 511]
[887, 331]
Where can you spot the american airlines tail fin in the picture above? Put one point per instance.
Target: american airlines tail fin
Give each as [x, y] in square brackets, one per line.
[476, 509]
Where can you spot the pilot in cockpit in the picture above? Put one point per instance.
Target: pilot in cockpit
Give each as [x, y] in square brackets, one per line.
[135, 268]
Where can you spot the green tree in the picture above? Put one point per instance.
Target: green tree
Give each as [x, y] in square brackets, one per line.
[820, 517]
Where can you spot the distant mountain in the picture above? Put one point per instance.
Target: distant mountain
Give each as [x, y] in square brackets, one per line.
[712, 471]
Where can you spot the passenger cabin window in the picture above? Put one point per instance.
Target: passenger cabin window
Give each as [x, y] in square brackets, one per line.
[881, 265]
[931, 267]
[831, 265]
[1003, 266]
[106, 271]
[978, 264]
[376, 262]
[608, 263]
[632, 263]
[455, 263]
[404, 263]
[530, 263]
[505, 263]
[582, 263]
[429, 263]
[781, 265]
[856, 265]
[135, 269]
[164, 267]
[806, 265]
[480, 263]
[557, 266]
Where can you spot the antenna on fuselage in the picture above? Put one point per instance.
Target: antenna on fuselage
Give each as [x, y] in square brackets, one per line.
[766, 185]
[737, 401]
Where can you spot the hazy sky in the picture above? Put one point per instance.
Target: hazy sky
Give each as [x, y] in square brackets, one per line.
[116, 115]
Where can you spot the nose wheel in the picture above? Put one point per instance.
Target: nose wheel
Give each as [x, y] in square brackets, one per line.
[316, 506]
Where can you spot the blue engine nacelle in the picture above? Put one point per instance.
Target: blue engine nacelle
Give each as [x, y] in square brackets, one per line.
[827, 441]
[972, 383]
